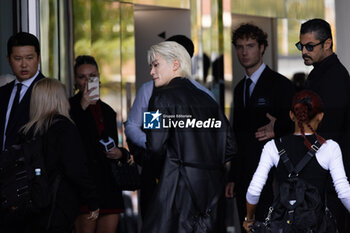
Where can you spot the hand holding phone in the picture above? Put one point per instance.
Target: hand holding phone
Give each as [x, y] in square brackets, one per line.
[94, 82]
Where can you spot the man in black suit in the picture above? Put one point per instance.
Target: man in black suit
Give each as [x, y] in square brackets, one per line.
[23, 55]
[262, 102]
[331, 81]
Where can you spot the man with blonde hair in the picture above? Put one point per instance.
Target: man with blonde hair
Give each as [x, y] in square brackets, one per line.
[136, 136]
[190, 136]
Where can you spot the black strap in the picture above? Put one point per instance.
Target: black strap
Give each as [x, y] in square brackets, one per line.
[283, 155]
[302, 163]
[311, 153]
[203, 166]
[55, 186]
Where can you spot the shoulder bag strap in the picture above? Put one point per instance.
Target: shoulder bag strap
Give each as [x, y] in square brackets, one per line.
[286, 161]
[55, 187]
[283, 155]
[308, 156]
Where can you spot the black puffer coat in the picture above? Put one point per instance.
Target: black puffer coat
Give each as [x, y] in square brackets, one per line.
[192, 177]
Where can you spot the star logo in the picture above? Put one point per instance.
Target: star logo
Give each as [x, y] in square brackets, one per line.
[151, 120]
[155, 115]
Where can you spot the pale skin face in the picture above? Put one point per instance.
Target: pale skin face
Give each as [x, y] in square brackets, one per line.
[249, 54]
[24, 62]
[163, 72]
[319, 52]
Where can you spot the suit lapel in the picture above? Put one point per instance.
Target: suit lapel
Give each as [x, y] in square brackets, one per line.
[21, 115]
[4, 100]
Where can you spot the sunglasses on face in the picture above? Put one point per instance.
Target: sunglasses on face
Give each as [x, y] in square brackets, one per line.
[309, 47]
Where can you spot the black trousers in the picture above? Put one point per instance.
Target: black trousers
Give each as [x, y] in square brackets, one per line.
[339, 212]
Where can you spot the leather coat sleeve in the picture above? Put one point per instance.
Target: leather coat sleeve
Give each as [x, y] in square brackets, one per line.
[157, 138]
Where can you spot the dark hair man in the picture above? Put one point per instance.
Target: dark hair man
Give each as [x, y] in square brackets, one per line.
[331, 81]
[23, 55]
[262, 101]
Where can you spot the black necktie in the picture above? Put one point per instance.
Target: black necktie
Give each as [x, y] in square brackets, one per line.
[248, 82]
[15, 101]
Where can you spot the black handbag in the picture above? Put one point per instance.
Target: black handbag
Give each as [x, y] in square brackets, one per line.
[328, 225]
[126, 175]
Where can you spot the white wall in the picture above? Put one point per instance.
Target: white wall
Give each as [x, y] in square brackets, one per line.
[342, 8]
[149, 23]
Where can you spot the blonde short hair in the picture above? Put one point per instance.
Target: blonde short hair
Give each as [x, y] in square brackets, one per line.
[48, 99]
[170, 50]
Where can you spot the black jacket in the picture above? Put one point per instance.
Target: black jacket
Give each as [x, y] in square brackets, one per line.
[272, 94]
[331, 81]
[193, 159]
[99, 165]
[21, 114]
[65, 156]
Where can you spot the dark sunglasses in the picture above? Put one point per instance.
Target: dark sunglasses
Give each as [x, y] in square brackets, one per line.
[309, 47]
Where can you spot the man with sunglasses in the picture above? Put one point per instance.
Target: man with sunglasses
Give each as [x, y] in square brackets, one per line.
[330, 79]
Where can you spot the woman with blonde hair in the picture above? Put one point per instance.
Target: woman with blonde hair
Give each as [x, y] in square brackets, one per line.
[64, 155]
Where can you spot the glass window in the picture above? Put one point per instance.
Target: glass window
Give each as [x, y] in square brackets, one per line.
[105, 30]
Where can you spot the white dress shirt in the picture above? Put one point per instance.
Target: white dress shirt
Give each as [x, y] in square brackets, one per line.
[25, 85]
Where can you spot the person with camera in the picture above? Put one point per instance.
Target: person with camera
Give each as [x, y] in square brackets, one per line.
[96, 122]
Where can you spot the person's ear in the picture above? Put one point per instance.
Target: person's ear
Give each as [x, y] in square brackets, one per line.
[291, 115]
[328, 43]
[176, 65]
[320, 116]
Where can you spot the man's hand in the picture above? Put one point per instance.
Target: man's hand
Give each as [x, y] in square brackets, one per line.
[266, 132]
[229, 190]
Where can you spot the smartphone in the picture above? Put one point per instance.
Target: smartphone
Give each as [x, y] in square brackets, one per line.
[94, 82]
